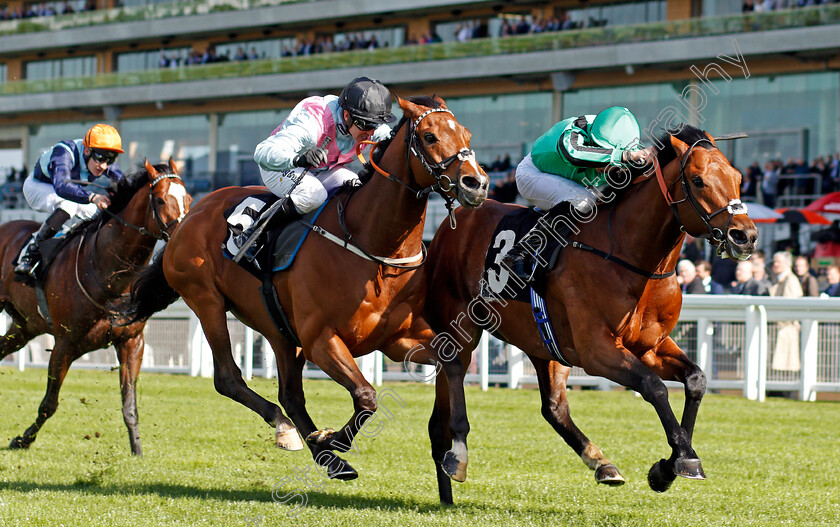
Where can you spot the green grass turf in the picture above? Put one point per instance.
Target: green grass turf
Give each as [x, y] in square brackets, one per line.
[210, 461]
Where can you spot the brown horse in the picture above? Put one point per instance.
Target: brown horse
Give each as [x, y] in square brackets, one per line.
[94, 268]
[611, 320]
[340, 304]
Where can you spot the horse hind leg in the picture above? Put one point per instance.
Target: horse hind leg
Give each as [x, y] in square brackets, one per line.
[15, 338]
[60, 359]
[130, 355]
[552, 377]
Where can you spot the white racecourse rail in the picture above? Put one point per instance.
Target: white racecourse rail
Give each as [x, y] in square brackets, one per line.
[731, 337]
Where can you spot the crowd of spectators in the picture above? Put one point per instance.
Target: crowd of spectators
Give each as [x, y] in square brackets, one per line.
[299, 48]
[46, 9]
[755, 276]
[796, 177]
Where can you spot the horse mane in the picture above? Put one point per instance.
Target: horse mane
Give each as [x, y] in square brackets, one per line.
[421, 100]
[684, 132]
[127, 187]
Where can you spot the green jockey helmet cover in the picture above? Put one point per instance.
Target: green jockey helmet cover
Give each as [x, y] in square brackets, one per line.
[615, 127]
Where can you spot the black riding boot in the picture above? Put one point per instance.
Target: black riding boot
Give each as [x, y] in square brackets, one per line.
[32, 254]
[284, 214]
[521, 258]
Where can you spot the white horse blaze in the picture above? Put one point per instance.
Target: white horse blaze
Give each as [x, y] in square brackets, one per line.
[179, 192]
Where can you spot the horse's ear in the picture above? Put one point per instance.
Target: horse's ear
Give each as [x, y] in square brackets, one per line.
[712, 139]
[441, 101]
[409, 107]
[680, 146]
[149, 168]
[173, 165]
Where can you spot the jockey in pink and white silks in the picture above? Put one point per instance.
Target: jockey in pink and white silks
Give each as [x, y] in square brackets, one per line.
[303, 158]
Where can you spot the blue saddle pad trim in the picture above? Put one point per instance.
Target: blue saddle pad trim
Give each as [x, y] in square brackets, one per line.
[546, 329]
[311, 219]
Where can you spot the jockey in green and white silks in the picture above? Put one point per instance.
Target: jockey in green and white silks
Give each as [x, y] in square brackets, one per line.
[579, 150]
[571, 158]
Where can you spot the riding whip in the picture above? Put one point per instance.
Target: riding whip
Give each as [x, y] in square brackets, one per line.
[263, 219]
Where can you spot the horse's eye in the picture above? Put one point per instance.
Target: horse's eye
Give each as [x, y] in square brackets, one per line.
[159, 201]
[430, 137]
[698, 182]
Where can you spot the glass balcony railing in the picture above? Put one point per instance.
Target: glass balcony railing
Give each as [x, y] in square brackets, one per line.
[659, 31]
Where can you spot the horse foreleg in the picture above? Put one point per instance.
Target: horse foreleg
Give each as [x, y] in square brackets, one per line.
[130, 355]
[60, 359]
[674, 364]
[552, 377]
[421, 350]
[618, 364]
[440, 438]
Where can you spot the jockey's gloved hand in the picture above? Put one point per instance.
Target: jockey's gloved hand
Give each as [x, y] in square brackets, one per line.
[311, 157]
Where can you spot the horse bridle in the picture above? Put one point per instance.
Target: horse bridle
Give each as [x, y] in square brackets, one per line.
[443, 183]
[715, 235]
[153, 211]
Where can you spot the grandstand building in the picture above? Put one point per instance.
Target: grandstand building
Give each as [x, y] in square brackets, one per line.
[205, 81]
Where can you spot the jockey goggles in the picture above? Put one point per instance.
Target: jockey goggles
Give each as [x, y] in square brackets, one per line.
[103, 156]
[364, 125]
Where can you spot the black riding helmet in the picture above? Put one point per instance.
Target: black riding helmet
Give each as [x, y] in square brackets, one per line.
[368, 100]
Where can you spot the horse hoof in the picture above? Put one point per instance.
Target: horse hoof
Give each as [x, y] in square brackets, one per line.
[455, 469]
[336, 467]
[689, 468]
[288, 439]
[609, 475]
[18, 443]
[320, 437]
[659, 478]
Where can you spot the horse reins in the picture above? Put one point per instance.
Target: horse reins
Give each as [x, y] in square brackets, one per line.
[164, 235]
[443, 184]
[152, 211]
[734, 207]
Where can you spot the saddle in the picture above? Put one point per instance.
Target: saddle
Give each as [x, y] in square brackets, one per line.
[276, 250]
[512, 229]
[49, 249]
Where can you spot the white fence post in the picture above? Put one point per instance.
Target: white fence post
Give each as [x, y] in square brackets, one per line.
[810, 346]
[196, 338]
[378, 364]
[268, 359]
[705, 330]
[484, 360]
[516, 366]
[367, 366]
[248, 353]
[755, 340]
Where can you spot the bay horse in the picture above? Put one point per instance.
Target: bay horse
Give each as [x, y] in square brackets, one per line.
[94, 268]
[612, 321]
[340, 304]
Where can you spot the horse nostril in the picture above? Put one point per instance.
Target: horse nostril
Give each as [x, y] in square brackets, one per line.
[470, 182]
[738, 236]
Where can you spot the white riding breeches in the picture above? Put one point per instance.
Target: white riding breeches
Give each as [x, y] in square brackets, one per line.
[307, 192]
[547, 190]
[42, 197]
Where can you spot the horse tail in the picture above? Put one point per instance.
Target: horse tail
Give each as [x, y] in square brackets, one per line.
[150, 293]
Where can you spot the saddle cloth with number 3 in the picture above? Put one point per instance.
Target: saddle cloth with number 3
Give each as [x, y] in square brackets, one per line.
[498, 281]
